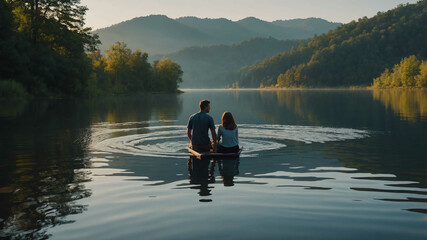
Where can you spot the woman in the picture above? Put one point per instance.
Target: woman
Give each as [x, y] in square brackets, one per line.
[228, 135]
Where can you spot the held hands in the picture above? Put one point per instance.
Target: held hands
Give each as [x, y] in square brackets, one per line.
[214, 144]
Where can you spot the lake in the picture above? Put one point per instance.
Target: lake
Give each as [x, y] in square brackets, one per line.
[316, 164]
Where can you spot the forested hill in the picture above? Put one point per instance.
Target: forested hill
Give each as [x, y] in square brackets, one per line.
[215, 66]
[353, 54]
[158, 34]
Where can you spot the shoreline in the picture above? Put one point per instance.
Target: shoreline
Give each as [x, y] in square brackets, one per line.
[295, 89]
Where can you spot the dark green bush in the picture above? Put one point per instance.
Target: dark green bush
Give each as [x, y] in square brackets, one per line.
[12, 89]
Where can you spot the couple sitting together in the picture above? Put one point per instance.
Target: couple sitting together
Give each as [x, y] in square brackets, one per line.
[226, 140]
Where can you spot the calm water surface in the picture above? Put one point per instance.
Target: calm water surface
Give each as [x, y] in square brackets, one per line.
[316, 164]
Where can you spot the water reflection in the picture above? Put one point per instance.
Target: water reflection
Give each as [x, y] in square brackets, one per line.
[227, 169]
[199, 174]
[202, 173]
[359, 108]
[12, 108]
[42, 201]
[408, 104]
[322, 153]
[44, 147]
[134, 109]
[198, 171]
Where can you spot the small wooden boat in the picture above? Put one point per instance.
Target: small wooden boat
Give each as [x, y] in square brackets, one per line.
[213, 155]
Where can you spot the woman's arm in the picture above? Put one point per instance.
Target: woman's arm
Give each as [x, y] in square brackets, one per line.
[219, 133]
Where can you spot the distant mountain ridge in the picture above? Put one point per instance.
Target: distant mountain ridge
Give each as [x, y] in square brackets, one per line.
[215, 66]
[312, 25]
[158, 34]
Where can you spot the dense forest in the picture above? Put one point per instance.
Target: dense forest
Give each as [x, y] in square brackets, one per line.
[410, 72]
[159, 34]
[43, 52]
[353, 54]
[123, 71]
[214, 66]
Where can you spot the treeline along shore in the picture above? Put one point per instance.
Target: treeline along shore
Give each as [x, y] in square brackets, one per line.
[46, 51]
[352, 55]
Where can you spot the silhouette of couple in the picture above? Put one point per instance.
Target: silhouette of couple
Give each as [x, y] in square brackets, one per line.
[225, 140]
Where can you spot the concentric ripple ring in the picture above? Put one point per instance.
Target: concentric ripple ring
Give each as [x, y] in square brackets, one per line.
[170, 141]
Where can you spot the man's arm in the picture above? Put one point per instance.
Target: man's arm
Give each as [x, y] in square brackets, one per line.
[212, 128]
[213, 135]
[189, 133]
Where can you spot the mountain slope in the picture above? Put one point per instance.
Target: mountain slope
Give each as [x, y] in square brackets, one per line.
[157, 34]
[353, 54]
[153, 34]
[309, 25]
[221, 29]
[215, 66]
[266, 29]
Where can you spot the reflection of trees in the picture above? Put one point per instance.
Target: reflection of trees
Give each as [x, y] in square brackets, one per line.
[134, 108]
[318, 107]
[43, 148]
[42, 199]
[296, 102]
[41, 171]
[12, 108]
[409, 104]
[352, 108]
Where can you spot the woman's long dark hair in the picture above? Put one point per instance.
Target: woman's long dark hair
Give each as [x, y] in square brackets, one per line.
[227, 121]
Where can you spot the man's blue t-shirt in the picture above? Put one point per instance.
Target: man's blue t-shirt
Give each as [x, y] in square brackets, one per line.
[200, 123]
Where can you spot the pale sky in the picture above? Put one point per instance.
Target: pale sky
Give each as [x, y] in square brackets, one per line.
[104, 13]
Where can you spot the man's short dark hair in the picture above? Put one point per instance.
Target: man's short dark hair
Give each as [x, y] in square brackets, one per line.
[203, 104]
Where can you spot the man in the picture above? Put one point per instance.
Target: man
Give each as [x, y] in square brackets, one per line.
[198, 128]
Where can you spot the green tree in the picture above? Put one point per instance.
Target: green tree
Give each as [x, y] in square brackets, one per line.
[293, 77]
[128, 72]
[123, 71]
[409, 69]
[141, 71]
[39, 18]
[410, 72]
[117, 59]
[99, 78]
[421, 79]
[6, 20]
[7, 37]
[46, 49]
[167, 75]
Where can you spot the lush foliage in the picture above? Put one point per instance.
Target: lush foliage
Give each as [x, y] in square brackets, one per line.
[10, 88]
[215, 66]
[43, 52]
[410, 72]
[123, 71]
[167, 75]
[351, 55]
[43, 46]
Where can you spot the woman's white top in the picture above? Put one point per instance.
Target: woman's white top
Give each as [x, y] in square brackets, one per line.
[228, 138]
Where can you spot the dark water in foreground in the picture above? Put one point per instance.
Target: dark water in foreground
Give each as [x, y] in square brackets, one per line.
[316, 164]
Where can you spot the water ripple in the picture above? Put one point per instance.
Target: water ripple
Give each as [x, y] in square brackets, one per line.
[171, 141]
